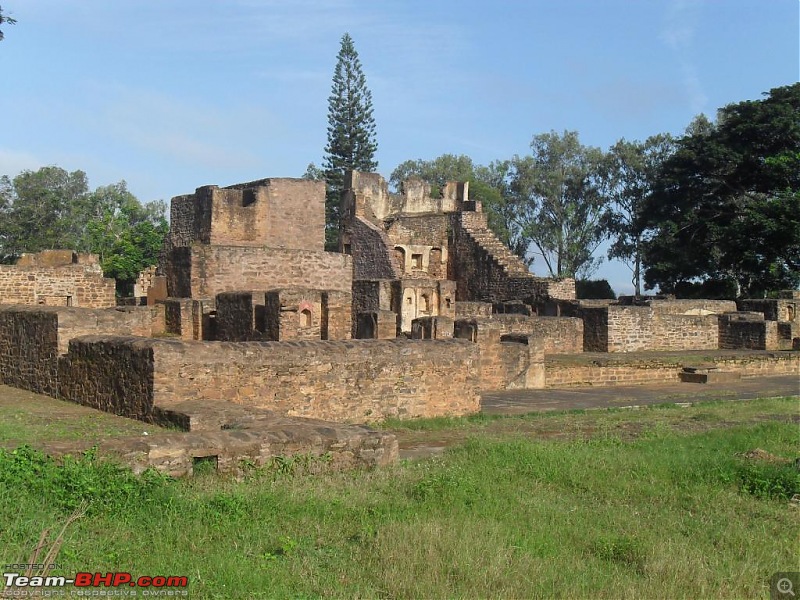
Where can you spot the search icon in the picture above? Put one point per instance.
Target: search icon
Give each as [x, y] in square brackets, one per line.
[785, 586]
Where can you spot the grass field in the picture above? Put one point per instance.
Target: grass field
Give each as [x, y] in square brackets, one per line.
[656, 503]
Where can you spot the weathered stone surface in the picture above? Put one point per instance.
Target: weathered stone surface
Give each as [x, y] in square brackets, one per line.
[56, 278]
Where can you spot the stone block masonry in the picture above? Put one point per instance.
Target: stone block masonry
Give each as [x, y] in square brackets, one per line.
[56, 278]
[344, 381]
[205, 271]
[32, 338]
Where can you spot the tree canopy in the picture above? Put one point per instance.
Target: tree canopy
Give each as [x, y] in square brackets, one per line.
[726, 203]
[52, 208]
[558, 197]
[352, 140]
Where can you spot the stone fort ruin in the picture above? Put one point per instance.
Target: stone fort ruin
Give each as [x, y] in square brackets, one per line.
[421, 311]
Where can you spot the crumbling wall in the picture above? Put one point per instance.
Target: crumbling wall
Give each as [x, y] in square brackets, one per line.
[74, 284]
[340, 381]
[32, 338]
[747, 331]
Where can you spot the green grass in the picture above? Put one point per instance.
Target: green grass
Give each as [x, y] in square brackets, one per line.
[672, 513]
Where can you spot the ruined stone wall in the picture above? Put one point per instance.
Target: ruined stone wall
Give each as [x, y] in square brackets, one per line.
[294, 315]
[369, 247]
[555, 334]
[294, 212]
[772, 309]
[690, 307]
[337, 315]
[595, 369]
[473, 309]
[31, 339]
[747, 331]
[340, 381]
[109, 373]
[216, 269]
[595, 328]
[236, 319]
[278, 213]
[634, 328]
[29, 348]
[70, 285]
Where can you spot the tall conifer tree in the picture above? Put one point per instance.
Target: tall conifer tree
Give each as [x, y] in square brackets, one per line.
[351, 132]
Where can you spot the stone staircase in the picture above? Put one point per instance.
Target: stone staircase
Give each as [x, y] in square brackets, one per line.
[511, 264]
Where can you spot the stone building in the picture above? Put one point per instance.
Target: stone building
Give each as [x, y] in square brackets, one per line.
[57, 278]
[415, 256]
[253, 238]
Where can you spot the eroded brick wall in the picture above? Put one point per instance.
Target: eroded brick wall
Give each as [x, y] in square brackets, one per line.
[341, 381]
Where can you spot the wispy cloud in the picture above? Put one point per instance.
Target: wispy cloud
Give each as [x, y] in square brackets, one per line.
[679, 33]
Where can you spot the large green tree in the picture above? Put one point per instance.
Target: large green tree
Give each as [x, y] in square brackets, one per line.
[559, 196]
[726, 204]
[52, 208]
[633, 168]
[351, 132]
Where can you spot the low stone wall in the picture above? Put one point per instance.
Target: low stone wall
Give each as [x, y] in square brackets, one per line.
[335, 380]
[636, 328]
[747, 331]
[555, 334]
[109, 373]
[31, 338]
[599, 369]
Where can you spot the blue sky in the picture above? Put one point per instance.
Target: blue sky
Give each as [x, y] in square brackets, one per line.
[170, 95]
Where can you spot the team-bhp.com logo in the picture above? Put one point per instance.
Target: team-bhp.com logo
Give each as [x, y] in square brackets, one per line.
[96, 580]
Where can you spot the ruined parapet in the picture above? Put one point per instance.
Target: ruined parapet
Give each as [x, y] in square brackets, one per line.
[278, 213]
[747, 331]
[432, 328]
[367, 195]
[57, 278]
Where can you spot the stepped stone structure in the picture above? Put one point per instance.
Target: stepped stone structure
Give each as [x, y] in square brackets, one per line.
[415, 256]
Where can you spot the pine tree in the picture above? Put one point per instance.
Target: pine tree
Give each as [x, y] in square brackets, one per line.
[351, 132]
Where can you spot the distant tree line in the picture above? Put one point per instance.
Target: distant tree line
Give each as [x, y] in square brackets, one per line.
[52, 208]
[715, 211]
